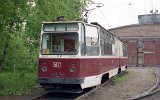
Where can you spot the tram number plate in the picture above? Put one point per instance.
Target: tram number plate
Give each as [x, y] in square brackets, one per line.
[56, 64]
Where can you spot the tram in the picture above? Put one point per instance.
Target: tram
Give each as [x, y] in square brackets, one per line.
[75, 55]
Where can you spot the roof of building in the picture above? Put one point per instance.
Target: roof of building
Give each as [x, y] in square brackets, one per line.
[137, 30]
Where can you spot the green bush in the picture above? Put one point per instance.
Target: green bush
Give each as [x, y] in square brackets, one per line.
[16, 83]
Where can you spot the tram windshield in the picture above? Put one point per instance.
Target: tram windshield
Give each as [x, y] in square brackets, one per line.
[60, 43]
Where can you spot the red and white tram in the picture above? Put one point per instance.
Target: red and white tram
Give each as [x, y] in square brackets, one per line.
[78, 55]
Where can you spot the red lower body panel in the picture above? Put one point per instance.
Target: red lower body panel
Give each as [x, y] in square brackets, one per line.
[83, 67]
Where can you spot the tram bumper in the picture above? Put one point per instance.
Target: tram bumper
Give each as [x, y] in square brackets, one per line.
[61, 80]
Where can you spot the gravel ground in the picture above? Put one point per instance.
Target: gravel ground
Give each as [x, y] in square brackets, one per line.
[156, 96]
[138, 80]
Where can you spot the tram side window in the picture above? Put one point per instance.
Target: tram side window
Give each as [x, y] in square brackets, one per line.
[92, 46]
[125, 54]
[107, 48]
[102, 36]
[102, 47]
[108, 45]
[92, 40]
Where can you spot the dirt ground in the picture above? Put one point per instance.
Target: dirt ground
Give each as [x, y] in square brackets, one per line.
[138, 80]
[155, 96]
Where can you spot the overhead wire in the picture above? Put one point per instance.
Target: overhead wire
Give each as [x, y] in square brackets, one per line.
[115, 31]
[104, 18]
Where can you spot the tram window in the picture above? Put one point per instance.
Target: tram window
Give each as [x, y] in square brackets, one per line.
[92, 40]
[102, 37]
[60, 27]
[46, 43]
[113, 49]
[108, 48]
[92, 46]
[125, 54]
[83, 44]
[113, 40]
[92, 51]
[61, 44]
[102, 47]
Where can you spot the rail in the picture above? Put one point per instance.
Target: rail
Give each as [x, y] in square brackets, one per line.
[155, 88]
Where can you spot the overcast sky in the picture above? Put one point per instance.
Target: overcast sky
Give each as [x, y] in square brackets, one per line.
[117, 13]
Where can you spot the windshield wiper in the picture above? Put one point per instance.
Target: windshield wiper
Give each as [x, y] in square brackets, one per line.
[66, 51]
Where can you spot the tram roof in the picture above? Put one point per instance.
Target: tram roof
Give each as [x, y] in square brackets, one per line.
[62, 22]
[56, 22]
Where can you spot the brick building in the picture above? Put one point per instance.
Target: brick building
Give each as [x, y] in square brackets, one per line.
[143, 40]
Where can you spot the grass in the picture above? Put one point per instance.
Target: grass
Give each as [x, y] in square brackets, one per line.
[16, 83]
[120, 77]
[152, 78]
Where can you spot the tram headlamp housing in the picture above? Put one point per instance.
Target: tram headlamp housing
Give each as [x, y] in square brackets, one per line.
[44, 69]
[72, 69]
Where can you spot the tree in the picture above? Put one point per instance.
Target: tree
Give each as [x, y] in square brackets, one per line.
[49, 10]
[21, 26]
[13, 13]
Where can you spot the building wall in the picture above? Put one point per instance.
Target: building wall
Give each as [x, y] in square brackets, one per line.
[132, 50]
[151, 52]
[143, 43]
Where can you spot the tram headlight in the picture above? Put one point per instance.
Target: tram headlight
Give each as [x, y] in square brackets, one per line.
[72, 69]
[44, 69]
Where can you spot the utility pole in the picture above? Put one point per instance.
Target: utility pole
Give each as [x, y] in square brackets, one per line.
[153, 12]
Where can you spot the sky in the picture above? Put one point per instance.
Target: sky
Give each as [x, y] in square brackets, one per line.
[116, 13]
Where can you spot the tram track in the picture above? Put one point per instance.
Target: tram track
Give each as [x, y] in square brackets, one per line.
[83, 96]
[75, 96]
[55, 96]
[39, 96]
[154, 89]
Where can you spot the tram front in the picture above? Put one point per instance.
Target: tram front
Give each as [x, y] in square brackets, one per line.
[59, 50]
